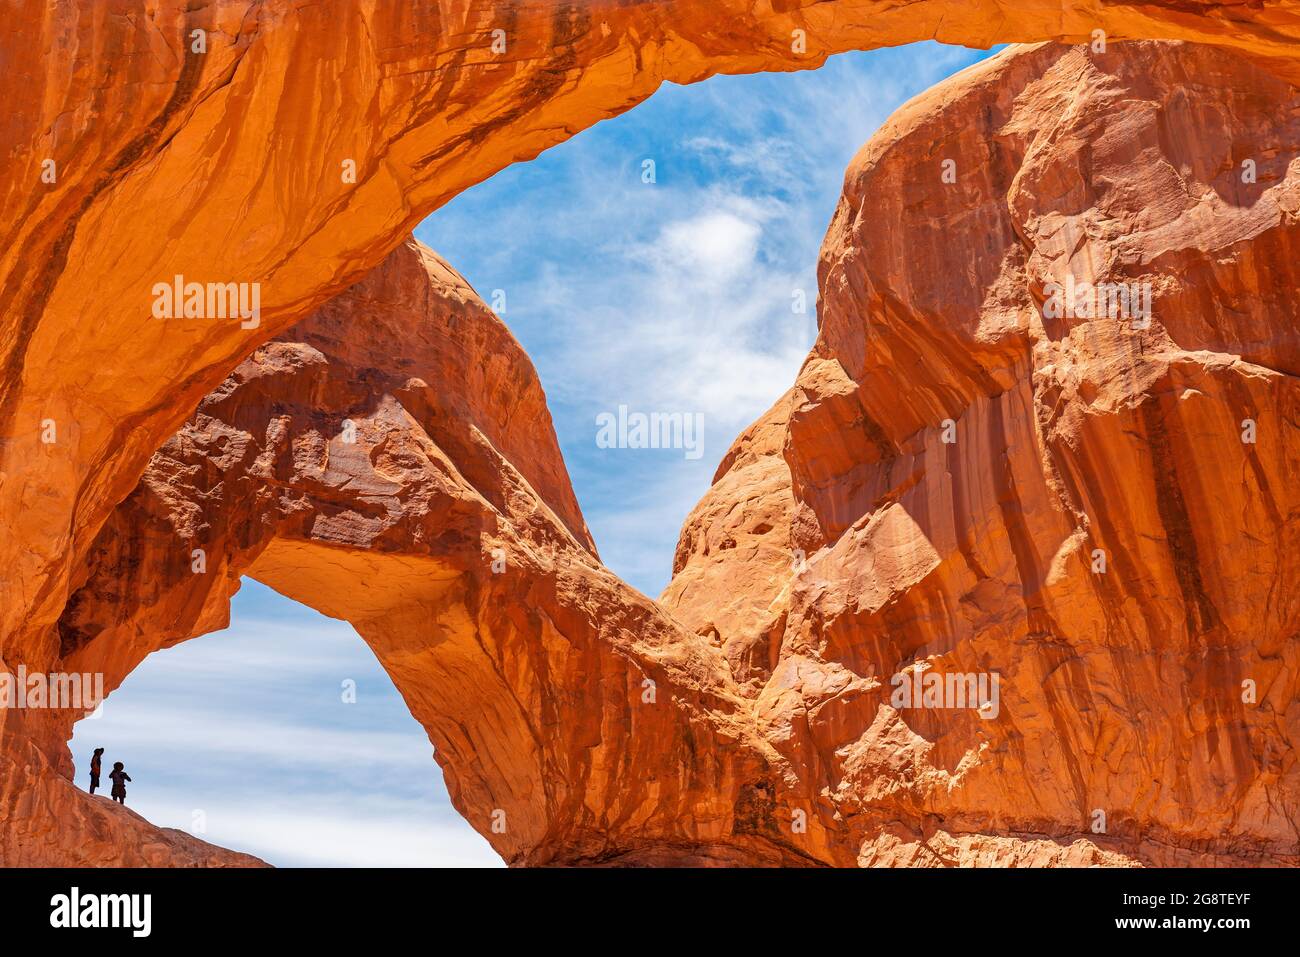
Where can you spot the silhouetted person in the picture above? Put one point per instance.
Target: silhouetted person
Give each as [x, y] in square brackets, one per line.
[119, 778]
[94, 769]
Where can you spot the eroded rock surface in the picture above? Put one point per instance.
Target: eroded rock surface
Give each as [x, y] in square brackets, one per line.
[364, 464]
[292, 146]
[1073, 438]
[872, 543]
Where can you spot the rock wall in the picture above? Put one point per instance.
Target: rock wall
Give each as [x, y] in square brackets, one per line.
[292, 147]
[1090, 524]
[365, 464]
[155, 151]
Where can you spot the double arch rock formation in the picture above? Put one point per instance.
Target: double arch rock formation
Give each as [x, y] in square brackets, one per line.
[536, 672]
[1121, 691]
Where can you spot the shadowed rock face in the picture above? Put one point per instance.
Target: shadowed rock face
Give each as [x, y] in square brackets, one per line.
[844, 540]
[1121, 692]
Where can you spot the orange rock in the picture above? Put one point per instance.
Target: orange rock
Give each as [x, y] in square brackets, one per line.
[1073, 434]
[292, 147]
[1066, 501]
[731, 573]
[391, 461]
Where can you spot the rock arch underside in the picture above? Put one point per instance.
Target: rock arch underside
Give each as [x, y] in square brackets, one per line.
[1120, 691]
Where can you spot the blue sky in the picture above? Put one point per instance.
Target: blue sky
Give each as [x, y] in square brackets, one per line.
[675, 296]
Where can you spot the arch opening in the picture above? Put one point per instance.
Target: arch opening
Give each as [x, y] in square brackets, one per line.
[283, 737]
[720, 232]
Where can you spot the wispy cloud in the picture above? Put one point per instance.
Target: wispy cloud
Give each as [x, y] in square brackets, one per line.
[261, 736]
[328, 829]
[682, 294]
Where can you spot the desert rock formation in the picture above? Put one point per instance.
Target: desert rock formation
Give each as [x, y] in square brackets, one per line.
[293, 147]
[862, 544]
[872, 547]
[364, 463]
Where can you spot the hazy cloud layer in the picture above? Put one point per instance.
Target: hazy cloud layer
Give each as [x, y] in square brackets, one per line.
[243, 738]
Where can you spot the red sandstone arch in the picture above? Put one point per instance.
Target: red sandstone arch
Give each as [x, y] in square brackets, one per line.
[448, 535]
[157, 168]
[158, 171]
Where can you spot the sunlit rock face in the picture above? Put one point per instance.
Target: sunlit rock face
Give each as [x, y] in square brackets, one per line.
[293, 147]
[970, 478]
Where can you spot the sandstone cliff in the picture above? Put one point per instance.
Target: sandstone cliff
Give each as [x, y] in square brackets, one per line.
[863, 543]
[1071, 438]
[365, 464]
[293, 146]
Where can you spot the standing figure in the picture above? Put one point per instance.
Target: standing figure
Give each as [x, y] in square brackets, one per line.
[119, 778]
[94, 769]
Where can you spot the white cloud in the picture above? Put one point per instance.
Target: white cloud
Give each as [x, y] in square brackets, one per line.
[716, 245]
[144, 727]
[411, 840]
[676, 296]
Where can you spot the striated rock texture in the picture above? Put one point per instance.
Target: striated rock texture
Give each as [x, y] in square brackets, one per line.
[292, 146]
[227, 156]
[844, 541]
[735, 558]
[1072, 437]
